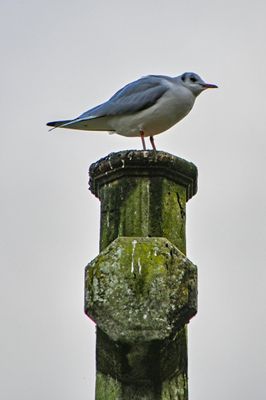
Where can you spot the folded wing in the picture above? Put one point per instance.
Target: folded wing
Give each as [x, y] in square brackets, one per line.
[132, 98]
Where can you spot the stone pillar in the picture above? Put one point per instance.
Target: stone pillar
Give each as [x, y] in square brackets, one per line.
[141, 290]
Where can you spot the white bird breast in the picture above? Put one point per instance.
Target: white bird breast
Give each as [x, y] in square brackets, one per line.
[168, 110]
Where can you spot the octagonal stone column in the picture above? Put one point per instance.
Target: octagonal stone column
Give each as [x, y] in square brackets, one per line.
[142, 290]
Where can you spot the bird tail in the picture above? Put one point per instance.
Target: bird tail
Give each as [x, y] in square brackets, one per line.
[91, 123]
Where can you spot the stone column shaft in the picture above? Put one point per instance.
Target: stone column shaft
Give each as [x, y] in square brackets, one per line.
[141, 289]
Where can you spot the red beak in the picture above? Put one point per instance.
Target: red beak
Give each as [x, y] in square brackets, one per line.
[209, 86]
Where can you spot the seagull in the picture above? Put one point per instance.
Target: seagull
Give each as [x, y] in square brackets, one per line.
[145, 107]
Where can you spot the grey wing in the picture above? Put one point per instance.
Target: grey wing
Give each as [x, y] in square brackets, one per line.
[134, 97]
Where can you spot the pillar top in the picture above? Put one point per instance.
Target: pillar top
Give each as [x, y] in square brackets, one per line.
[143, 163]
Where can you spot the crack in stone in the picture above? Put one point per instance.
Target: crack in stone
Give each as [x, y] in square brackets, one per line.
[182, 211]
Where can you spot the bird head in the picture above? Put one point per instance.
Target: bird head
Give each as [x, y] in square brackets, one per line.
[194, 83]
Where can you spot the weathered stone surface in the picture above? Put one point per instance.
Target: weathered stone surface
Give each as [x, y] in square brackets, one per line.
[175, 388]
[108, 388]
[140, 300]
[148, 363]
[143, 193]
[140, 289]
[143, 206]
[143, 163]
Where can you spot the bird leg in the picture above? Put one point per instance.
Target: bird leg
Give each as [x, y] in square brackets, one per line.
[143, 140]
[152, 143]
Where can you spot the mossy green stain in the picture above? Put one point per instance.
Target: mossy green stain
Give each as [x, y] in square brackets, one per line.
[107, 388]
[143, 207]
[140, 287]
[142, 194]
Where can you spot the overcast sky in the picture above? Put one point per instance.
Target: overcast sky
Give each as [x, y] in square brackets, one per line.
[61, 57]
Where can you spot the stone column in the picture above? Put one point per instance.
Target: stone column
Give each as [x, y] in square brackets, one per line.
[141, 290]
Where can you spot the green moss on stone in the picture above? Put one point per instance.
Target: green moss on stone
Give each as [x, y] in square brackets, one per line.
[140, 289]
[107, 388]
[143, 207]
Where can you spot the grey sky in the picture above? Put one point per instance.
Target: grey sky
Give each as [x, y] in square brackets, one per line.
[59, 58]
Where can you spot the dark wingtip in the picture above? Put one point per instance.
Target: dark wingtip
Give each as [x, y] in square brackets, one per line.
[56, 124]
[51, 123]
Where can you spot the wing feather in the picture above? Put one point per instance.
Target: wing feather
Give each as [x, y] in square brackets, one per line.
[134, 97]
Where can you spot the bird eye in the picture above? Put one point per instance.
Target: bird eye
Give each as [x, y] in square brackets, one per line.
[193, 79]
